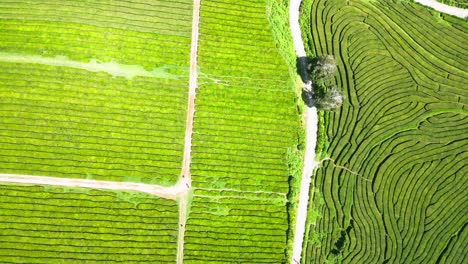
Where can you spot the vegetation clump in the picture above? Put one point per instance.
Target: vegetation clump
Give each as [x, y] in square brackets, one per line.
[326, 95]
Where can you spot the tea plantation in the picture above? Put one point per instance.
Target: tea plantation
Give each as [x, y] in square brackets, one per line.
[393, 189]
[98, 90]
[56, 225]
[246, 120]
[124, 125]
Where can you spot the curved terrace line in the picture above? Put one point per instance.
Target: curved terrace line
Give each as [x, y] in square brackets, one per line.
[112, 68]
[311, 123]
[451, 10]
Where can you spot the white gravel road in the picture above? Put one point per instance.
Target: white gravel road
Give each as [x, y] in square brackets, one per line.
[451, 10]
[311, 123]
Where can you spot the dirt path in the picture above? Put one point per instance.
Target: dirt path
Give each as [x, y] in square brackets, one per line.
[311, 123]
[186, 179]
[170, 192]
[451, 10]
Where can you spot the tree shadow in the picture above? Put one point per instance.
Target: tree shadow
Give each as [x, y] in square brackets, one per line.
[303, 68]
[308, 97]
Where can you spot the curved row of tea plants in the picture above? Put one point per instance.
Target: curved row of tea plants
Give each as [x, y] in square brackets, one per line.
[393, 189]
[55, 225]
[73, 122]
[246, 120]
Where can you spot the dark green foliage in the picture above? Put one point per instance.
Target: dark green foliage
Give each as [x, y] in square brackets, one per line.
[396, 172]
[327, 96]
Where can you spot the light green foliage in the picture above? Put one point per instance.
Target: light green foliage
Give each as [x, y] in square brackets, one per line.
[278, 14]
[235, 226]
[246, 110]
[394, 186]
[295, 162]
[54, 225]
[94, 88]
[246, 120]
[322, 137]
[81, 111]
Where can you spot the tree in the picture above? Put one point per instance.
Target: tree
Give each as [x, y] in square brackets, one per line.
[331, 100]
[323, 67]
[326, 95]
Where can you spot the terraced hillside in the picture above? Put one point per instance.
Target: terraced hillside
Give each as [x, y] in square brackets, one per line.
[245, 122]
[98, 89]
[394, 187]
[54, 225]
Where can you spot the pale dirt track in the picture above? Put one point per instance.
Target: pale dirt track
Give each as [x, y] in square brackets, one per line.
[165, 192]
[311, 124]
[186, 177]
[451, 10]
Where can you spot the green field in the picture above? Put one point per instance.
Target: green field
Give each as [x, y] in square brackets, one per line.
[246, 119]
[236, 227]
[55, 225]
[394, 187]
[99, 90]
[126, 124]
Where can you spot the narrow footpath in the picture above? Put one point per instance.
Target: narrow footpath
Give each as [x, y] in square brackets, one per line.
[185, 177]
